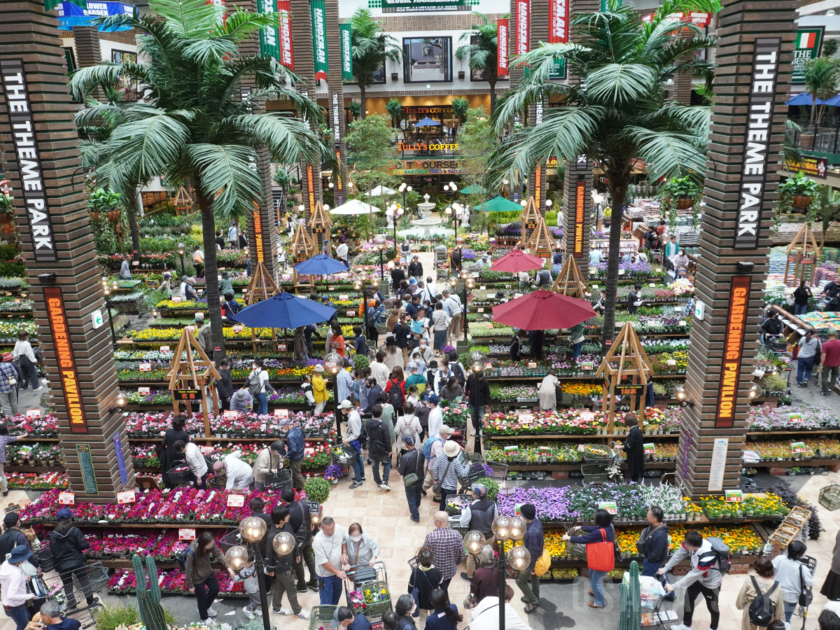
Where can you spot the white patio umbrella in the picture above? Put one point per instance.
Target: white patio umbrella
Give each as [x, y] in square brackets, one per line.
[379, 191]
[354, 206]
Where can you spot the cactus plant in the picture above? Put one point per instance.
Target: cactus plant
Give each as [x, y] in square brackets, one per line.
[147, 584]
[151, 612]
[634, 608]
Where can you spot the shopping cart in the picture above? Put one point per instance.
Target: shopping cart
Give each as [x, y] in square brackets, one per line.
[71, 589]
[367, 591]
[44, 559]
[279, 480]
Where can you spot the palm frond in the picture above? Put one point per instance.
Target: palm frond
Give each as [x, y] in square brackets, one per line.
[225, 174]
[209, 51]
[667, 154]
[620, 83]
[288, 139]
[191, 19]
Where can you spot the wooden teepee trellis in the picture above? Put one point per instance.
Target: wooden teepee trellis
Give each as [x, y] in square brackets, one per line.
[570, 280]
[319, 224]
[193, 379]
[541, 242]
[626, 359]
[260, 288]
[802, 251]
[182, 200]
[529, 218]
[302, 248]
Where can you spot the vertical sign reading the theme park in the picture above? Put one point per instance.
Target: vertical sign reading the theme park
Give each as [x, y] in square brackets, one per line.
[523, 38]
[346, 32]
[502, 45]
[66, 359]
[284, 20]
[319, 38]
[558, 21]
[269, 35]
[733, 350]
[765, 70]
[28, 157]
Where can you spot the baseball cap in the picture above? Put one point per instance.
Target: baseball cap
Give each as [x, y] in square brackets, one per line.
[345, 404]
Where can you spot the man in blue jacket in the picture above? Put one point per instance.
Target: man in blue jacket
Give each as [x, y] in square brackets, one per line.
[343, 618]
[534, 541]
[52, 619]
[294, 451]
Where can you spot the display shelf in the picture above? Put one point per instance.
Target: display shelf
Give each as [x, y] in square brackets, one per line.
[215, 438]
[580, 437]
[662, 376]
[34, 469]
[792, 463]
[573, 466]
[794, 432]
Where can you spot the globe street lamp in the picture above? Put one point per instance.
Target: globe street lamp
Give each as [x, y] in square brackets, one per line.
[182, 249]
[107, 291]
[404, 188]
[518, 558]
[333, 362]
[252, 530]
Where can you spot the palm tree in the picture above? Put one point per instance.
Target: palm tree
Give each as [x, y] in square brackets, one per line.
[822, 76]
[371, 47]
[622, 113]
[191, 124]
[394, 107]
[460, 107]
[482, 53]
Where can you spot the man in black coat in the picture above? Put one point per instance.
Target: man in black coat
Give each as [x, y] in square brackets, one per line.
[224, 386]
[653, 543]
[634, 447]
[536, 339]
[379, 447]
[415, 268]
[12, 537]
[477, 391]
[282, 567]
[397, 276]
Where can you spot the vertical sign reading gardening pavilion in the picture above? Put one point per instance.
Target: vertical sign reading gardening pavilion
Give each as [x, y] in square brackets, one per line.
[755, 45]
[39, 145]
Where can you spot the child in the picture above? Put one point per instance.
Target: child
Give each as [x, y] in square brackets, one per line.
[413, 395]
[250, 582]
[308, 395]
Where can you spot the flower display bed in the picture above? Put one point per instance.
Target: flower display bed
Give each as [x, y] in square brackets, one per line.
[174, 582]
[244, 426]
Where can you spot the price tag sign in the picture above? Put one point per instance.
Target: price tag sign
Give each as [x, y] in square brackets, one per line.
[351, 313]
[488, 366]
[793, 417]
[759, 373]
[143, 391]
[652, 285]
[238, 329]
[671, 362]
[332, 288]
[594, 286]
[621, 272]
[587, 365]
[545, 450]
[481, 310]
[125, 497]
[235, 500]
[650, 449]
[683, 322]
[145, 367]
[186, 534]
[526, 418]
[797, 447]
[33, 413]
[734, 496]
[677, 309]
[609, 506]
[164, 349]
[230, 414]
[517, 295]
[281, 347]
[281, 413]
[511, 450]
[199, 316]
[586, 416]
[483, 288]
[176, 299]
[66, 498]
[532, 365]
[344, 297]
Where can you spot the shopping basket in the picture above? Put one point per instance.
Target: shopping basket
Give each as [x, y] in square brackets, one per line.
[370, 598]
[279, 480]
[594, 473]
[344, 455]
[45, 559]
[321, 617]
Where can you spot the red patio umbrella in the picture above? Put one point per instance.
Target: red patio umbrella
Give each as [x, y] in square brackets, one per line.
[516, 261]
[543, 310]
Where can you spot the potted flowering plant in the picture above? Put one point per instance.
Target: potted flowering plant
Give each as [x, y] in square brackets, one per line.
[799, 190]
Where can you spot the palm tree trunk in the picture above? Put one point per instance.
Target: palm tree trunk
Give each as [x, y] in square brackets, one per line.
[211, 272]
[362, 101]
[492, 97]
[131, 213]
[618, 192]
[813, 108]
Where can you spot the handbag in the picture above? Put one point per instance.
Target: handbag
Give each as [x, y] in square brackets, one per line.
[806, 594]
[543, 563]
[411, 478]
[415, 591]
[436, 488]
[601, 556]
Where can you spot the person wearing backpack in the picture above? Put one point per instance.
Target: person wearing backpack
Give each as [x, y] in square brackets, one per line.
[301, 521]
[600, 553]
[479, 517]
[760, 597]
[201, 580]
[379, 448]
[395, 388]
[258, 386]
[477, 391]
[794, 577]
[704, 577]
[653, 542]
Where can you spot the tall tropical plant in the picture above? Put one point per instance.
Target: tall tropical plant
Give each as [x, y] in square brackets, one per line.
[192, 124]
[371, 48]
[482, 52]
[460, 107]
[622, 114]
[822, 77]
[828, 211]
[394, 107]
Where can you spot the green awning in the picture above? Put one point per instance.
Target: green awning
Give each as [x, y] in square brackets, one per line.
[475, 189]
[498, 204]
[51, 4]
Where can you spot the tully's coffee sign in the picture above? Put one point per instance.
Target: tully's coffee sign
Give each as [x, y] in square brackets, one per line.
[764, 74]
[733, 350]
[28, 157]
[68, 376]
[813, 166]
[412, 110]
[426, 146]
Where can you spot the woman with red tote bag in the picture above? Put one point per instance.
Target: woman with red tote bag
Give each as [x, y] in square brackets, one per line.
[600, 553]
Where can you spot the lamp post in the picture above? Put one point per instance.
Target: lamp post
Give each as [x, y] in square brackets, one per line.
[398, 212]
[333, 362]
[381, 248]
[253, 530]
[361, 285]
[518, 558]
[182, 249]
[107, 291]
[404, 188]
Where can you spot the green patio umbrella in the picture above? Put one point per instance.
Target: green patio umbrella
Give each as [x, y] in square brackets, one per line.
[498, 204]
[474, 189]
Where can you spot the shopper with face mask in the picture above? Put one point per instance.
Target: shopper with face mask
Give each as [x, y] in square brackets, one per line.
[362, 549]
[259, 387]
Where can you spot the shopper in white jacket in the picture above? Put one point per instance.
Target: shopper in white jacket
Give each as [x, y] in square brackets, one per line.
[704, 578]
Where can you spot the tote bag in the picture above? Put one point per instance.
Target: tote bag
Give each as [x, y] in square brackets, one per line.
[601, 556]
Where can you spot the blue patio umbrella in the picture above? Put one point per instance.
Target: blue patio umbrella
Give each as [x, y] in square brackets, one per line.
[284, 310]
[320, 265]
[834, 101]
[803, 98]
[427, 122]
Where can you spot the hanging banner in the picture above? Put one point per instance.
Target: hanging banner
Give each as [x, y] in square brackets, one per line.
[71, 14]
[733, 350]
[284, 19]
[808, 44]
[270, 35]
[523, 38]
[419, 6]
[220, 7]
[503, 46]
[558, 21]
[813, 166]
[605, 5]
[319, 38]
[346, 33]
[700, 18]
